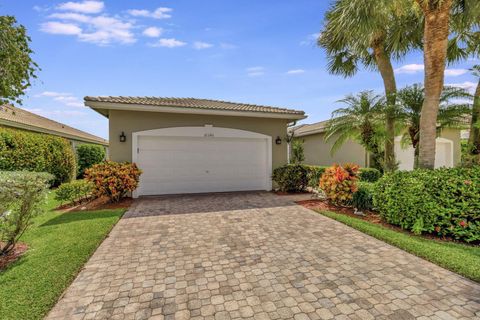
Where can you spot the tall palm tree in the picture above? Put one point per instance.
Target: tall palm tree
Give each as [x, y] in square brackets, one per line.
[410, 101]
[439, 17]
[359, 120]
[474, 138]
[371, 33]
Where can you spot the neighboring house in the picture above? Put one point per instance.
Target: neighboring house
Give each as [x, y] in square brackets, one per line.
[14, 117]
[318, 151]
[186, 145]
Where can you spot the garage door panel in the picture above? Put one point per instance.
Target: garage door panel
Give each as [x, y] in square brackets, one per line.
[201, 164]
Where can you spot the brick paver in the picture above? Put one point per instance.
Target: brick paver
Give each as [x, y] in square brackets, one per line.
[255, 256]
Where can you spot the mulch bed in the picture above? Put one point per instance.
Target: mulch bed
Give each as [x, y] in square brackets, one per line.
[323, 205]
[101, 203]
[12, 256]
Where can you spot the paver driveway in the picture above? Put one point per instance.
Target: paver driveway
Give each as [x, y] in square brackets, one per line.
[255, 256]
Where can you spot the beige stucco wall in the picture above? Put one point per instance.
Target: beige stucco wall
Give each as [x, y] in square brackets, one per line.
[317, 151]
[455, 136]
[134, 121]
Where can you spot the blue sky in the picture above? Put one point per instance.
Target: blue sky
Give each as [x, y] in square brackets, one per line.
[251, 51]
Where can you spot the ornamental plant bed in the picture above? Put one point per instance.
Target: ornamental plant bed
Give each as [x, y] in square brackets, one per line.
[101, 203]
[370, 216]
[12, 256]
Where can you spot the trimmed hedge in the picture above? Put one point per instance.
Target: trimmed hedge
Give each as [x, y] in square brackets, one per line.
[28, 151]
[283, 174]
[314, 173]
[88, 155]
[363, 197]
[445, 202]
[291, 177]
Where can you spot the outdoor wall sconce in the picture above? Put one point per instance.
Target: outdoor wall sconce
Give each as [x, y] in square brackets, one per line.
[123, 137]
[278, 140]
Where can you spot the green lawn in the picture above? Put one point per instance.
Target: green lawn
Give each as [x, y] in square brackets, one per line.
[459, 258]
[59, 245]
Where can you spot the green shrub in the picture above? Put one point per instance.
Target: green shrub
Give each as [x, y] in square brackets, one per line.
[445, 202]
[22, 150]
[71, 192]
[297, 151]
[113, 179]
[363, 198]
[88, 155]
[314, 173]
[369, 174]
[340, 183]
[290, 178]
[22, 195]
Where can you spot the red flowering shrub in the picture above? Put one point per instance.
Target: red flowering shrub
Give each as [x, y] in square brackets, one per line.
[113, 179]
[340, 183]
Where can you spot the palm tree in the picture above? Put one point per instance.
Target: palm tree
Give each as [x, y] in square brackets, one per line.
[410, 101]
[359, 121]
[371, 33]
[474, 138]
[440, 18]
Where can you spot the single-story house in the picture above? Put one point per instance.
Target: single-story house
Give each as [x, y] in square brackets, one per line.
[317, 150]
[186, 145]
[15, 117]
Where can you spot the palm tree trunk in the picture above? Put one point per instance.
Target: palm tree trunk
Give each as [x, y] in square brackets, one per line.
[386, 71]
[474, 138]
[435, 39]
[413, 132]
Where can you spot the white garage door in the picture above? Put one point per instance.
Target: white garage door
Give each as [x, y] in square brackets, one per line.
[202, 159]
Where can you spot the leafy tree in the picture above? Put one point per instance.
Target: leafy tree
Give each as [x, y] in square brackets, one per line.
[441, 19]
[360, 120]
[371, 33]
[17, 68]
[410, 100]
[297, 151]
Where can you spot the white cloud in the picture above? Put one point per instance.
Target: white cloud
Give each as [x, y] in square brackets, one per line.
[296, 71]
[410, 68]
[159, 13]
[153, 32]
[415, 68]
[52, 94]
[84, 6]
[168, 43]
[100, 30]
[199, 45]
[108, 30]
[467, 85]
[455, 72]
[55, 27]
[72, 16]
[63, 97]
[255, 71]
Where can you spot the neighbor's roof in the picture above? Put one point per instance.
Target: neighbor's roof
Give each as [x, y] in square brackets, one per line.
[307, 129]
[192, 103]
[21, 118]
